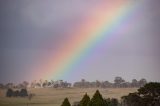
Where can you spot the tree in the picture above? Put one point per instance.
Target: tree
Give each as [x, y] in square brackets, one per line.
[114, 102]
[134, 83]
[16, 93]
[111, 102]
[151, 89]
[148, 95]
[107, 84]
[142, 82]
[133, 99]
[118, 81]
[25, 84]
[9, 93]
[107, 101]
[97, 100]
[85, 100]
[23, 93]
[66, 102]
[150, 92]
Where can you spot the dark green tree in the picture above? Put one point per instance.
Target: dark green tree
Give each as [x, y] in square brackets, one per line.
[114, 102]
[97, 100]
[66, 102]
[23, 93]
[148, 95]
[133, 99]
[9, 93]
[111, 102]
[108, 101]
[85, 100]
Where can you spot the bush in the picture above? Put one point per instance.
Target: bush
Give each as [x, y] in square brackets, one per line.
[9, 93]
[23, 93]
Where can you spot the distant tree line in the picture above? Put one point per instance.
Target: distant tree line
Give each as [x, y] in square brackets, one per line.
[50, 84]
[37, 84]
[22, 85]
[119, 82]
[148, 95]
[16, 93]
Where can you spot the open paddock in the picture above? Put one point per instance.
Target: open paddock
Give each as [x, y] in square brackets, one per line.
[55, 96]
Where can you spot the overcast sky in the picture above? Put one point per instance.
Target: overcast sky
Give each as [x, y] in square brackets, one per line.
[32, 30]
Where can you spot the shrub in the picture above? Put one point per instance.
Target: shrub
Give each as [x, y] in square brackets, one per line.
[9, 93]
[23, 93]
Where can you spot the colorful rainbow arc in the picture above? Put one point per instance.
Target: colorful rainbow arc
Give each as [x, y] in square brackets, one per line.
[102, 26]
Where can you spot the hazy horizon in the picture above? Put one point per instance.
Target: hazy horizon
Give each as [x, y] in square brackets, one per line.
[38, 40]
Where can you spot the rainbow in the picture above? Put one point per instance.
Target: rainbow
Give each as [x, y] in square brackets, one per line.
[106, 22]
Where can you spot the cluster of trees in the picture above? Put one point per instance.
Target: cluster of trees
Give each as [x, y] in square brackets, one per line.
[16, 93]
[96, 100]
[119, 82]
[22, 85]
[149, 95]
[51, 84]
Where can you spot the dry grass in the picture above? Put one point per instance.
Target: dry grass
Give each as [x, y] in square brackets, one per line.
[54, 97]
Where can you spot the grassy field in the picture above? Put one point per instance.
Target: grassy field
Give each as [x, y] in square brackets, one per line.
[54, 97]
